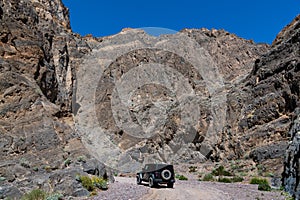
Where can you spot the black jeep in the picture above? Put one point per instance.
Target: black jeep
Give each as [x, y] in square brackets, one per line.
[157, 174]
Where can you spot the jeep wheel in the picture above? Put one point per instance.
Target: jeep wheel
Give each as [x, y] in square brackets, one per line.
[170, 185]
[166, 174]
[151, 182]
[138, 180]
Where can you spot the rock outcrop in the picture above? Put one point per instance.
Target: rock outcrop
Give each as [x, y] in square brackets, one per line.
[77, 105]
[262, 107]
[38, 60]
[291, 173]
[146, 104]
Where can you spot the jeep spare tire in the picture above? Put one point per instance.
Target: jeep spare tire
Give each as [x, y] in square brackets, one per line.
[166, 174]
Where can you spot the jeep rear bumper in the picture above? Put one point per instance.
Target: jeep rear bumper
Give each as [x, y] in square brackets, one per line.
[157, 180]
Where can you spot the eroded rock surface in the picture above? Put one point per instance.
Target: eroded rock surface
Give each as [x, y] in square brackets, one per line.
[160, 99]
[291, 173]
[68, 103]
[262, 107]
[39, 55]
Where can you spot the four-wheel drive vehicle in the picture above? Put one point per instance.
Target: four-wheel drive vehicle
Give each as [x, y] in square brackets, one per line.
[157, 174]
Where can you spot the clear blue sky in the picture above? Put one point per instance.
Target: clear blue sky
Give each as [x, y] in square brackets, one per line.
[259, 20]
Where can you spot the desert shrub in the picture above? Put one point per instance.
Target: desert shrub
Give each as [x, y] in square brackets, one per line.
[92, 183]
[260, 169]
[287, 196]
[67, 162]
[230, 180]
[270, 174]
[81, 159]
[87, 183]
[243, 174]
[99, 182]
[256, 180]
[181, 177]
[224, 180]
[263, 183]
[220, 171]
[264, 187]
[35, 169]
[237, 179]
[55, 196]
[36, 194]
[208, 177]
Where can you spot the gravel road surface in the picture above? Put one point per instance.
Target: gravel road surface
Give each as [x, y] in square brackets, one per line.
[126, 189]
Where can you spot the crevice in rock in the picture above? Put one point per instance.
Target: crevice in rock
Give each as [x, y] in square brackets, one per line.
[290, 101]
[1, 12]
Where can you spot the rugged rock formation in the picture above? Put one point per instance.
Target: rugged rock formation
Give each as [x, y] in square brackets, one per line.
[150, 91]
[291, 174]
[132, 98]
[234, 56]
[39, 55]
[262, 106]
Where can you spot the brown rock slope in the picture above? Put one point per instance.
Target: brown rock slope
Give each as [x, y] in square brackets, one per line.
[261, 108]
[38, 59]
[142, 113]
[42, 63]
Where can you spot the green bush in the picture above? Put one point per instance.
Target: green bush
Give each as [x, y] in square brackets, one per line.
[67, 162]
[35, 169]
[258, 181]
[99, 182]
[92, 183]
[237, 179]
[270, 174]
[224, 180]
[264, 187]
[81, 159]
[208, 177]
[87, 183]
[220, 171]
[181, 177]
[36, 194]
[287, 196]
[243, 174]
[55, 196]
[263, 183]
[231, 180]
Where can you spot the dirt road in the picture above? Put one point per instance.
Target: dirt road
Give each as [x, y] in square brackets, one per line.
[184, 191]
[127, 189]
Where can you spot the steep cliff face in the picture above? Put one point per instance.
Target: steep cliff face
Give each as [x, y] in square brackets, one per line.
[132, 98]
[262, 106]
[38, 59]
[159, 99]
[291, 173]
